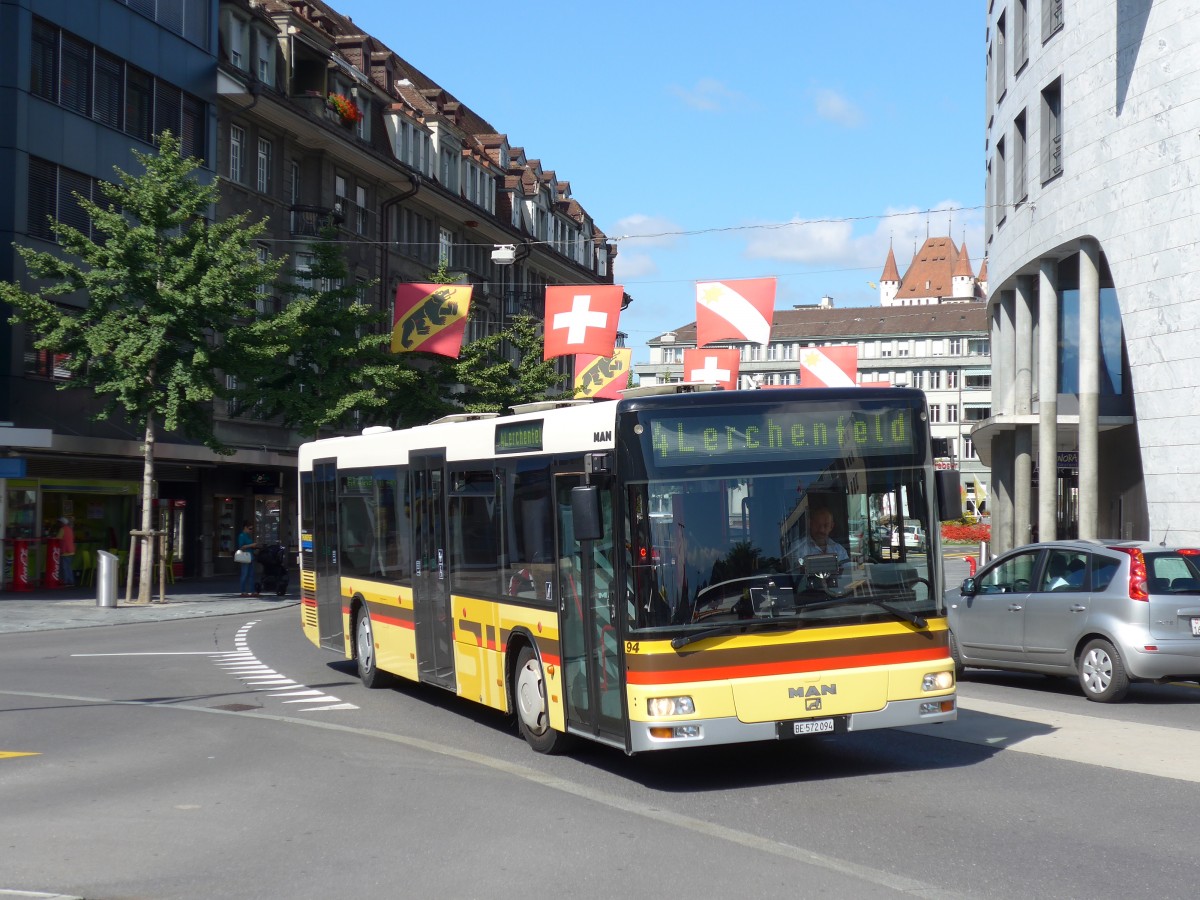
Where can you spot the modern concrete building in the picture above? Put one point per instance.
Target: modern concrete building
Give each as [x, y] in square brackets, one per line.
[1093, 189]
[931, 339]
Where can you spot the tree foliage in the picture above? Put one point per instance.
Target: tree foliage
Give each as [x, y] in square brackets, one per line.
[136, 307]
[493, 382]
[324, 361]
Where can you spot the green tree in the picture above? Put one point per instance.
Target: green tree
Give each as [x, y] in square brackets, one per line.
[326, 356]
[493, 383]
[157, 285]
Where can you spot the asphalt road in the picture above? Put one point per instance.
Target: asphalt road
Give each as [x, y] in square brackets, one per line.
[228, 757]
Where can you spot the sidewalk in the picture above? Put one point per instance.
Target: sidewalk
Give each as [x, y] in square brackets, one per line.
[76, 607]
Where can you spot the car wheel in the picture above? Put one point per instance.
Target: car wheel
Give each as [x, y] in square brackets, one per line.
[956, 656]
[1102, 673]
[364, 651]
[533, 713]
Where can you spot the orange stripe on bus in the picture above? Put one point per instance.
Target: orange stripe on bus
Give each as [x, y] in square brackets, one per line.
[790, 667]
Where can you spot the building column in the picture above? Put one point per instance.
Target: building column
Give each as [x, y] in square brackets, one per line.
[1047, 399]
[1022, 490]
[1003, 363]
[1089, 388]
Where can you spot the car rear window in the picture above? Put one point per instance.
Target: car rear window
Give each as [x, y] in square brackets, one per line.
[1171, 573]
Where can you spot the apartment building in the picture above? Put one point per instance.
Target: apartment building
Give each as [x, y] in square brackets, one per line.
[309, 123]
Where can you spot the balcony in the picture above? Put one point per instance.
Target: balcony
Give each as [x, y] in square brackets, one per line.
[309, 221]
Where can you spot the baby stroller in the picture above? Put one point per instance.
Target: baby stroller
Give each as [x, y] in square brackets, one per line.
[273, 559]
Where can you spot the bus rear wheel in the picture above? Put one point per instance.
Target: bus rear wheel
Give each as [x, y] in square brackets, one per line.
[533, 713]
[364, 651]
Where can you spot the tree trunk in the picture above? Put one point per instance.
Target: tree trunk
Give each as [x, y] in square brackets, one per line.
[147, 562]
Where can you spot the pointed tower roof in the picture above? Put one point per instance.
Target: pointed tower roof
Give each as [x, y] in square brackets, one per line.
[983, 270]
[962, 268]
[890, 272]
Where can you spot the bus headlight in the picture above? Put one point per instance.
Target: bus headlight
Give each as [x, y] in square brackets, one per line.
[670, 706]
[937, 681]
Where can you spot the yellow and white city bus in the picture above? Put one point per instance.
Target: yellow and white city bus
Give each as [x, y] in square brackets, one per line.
[640, 572]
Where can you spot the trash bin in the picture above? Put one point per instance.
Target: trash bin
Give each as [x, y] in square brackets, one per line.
[106, 579]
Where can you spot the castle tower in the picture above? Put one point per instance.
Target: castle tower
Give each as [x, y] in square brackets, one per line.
[962, 279]
[889, 281]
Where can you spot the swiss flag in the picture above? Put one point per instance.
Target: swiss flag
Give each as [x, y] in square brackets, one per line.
[712, 367]
[828, 367]
[735, 310]
[582, 318]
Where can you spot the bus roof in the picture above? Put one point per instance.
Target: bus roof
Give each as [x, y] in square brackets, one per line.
[563, 430]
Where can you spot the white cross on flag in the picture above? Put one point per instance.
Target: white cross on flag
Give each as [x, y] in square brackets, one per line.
[829, 367]
[711, 367]
[582, 318]
[739, 310]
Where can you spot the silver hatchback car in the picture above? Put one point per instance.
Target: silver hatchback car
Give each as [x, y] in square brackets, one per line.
[1105, 612]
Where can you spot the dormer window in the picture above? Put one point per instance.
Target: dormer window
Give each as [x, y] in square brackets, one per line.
[237, 40]
[264, 57]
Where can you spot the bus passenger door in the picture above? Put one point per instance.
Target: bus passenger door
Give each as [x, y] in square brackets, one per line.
[588, 604]
[325, 555]
[432, 616]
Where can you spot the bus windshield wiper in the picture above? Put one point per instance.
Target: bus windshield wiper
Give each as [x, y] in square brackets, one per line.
[741, 626]
[896, 611]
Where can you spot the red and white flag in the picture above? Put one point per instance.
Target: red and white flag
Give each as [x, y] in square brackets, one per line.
[735, 310]
[828, 367]
[582, 318]
[712, 367]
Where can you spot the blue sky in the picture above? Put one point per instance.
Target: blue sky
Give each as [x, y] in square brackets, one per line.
[789, 139]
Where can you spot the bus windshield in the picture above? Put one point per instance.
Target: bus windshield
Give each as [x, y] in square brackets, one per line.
[731, 525]
[713, 550]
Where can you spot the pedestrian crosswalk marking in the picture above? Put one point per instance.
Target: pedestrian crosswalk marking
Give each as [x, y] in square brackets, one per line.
[260, 678]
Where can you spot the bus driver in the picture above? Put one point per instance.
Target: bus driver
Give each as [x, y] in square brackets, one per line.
[820, 525]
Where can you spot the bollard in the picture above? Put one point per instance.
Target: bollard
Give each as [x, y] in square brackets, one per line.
[106, 578]
[971, 566]
[984, 552]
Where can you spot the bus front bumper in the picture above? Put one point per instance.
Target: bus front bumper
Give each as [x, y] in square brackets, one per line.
[647, 736]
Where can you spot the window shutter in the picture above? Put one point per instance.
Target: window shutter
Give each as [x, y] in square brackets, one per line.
[43, 196]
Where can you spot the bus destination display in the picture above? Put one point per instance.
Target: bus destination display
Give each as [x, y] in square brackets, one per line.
[795, 434]
[519, 437]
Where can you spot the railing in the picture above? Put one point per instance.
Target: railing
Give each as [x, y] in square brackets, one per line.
[309, 221]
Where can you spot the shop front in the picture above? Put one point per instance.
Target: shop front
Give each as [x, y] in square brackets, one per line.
[101, 513]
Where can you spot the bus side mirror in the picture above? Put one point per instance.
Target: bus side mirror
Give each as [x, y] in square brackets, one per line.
[949, 497]
[585, 513]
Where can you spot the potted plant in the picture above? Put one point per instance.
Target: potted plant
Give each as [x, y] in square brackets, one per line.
[345, 109]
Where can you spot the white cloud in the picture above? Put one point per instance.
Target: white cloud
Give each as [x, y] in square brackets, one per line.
[708, 95]
[633, 265]
[833, 107]
[835, 245]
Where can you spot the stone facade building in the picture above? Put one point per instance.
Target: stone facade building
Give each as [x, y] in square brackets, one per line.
[1093, 186]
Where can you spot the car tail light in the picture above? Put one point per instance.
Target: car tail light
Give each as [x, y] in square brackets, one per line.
[1137, 573]
[1188, 551]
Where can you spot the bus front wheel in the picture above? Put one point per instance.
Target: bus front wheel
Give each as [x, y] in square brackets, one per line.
[364, 651]
[533, 713]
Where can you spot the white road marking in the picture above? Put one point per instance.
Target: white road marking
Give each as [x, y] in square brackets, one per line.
[259, 678]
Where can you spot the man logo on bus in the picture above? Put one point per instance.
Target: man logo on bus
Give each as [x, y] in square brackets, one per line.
[813, 690]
